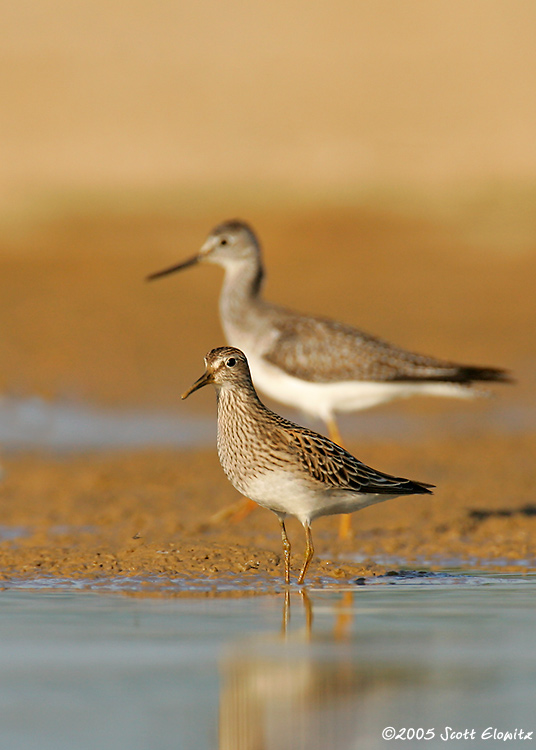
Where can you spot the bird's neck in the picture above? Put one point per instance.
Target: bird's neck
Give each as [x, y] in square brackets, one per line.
[241, 293]
[238, 413]
[234, 403]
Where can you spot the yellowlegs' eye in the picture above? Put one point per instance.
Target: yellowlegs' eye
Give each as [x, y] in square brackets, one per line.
[231, 362]
[223, 241]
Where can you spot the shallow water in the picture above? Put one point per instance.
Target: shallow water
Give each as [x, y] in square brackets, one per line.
[36, 423]
[86, 670]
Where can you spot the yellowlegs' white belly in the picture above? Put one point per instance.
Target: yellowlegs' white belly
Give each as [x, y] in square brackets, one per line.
[322, 400]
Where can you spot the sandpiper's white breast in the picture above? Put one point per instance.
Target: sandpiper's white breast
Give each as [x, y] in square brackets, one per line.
[283, 491]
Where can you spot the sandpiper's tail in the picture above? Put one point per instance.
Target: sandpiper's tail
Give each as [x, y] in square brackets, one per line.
[410, 487]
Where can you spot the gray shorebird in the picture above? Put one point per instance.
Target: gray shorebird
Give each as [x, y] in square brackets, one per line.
[288, 469]
[311, 363]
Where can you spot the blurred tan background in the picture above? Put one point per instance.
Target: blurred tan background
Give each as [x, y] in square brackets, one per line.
[292, 96]
[394, 140]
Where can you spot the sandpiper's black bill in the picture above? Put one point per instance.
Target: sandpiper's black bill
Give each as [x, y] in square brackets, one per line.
[185, 264]
[205, 379]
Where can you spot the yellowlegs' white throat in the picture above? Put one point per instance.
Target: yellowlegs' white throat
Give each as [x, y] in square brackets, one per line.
[314, 364]
[284, 467]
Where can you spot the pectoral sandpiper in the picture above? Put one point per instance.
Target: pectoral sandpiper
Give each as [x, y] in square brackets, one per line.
[286, 468]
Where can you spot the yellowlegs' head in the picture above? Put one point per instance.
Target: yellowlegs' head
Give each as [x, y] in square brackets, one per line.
[229, 244]
[226, 367]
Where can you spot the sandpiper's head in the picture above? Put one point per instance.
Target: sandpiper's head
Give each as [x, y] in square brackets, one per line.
[226, 367]
[229, 244]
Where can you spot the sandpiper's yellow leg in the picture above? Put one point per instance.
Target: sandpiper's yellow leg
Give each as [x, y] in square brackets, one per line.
[309, 552]
[286, 550]
[345, 522]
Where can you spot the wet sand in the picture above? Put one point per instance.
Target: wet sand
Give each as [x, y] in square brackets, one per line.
[144, 514]
[80, 324]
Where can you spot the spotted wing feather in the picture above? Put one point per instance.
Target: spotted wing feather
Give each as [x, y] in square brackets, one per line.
[334, 467]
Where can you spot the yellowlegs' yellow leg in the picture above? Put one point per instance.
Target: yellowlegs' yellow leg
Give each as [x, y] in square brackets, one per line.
[333, 431]
[235, 512]
[345, 521]
[345, 526]
[243, 511]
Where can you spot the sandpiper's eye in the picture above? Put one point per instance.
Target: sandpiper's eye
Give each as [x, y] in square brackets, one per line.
[231, 362]
[223, 241]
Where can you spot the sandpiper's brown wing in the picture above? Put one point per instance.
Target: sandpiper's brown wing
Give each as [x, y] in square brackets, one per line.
[322, 350]
[335, 468]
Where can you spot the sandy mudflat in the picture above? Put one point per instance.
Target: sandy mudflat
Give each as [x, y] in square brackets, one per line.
[143, 514]
[80, 324]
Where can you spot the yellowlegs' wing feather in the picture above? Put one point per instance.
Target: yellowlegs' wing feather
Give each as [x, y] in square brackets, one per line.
[322, 350]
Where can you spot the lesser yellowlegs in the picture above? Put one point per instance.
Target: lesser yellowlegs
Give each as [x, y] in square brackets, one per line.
[315, 364]
[286, 468]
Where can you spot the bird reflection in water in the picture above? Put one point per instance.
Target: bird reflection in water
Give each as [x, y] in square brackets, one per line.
[295, 689]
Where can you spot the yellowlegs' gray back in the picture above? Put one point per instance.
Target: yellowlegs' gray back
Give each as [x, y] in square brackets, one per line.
[284, 467]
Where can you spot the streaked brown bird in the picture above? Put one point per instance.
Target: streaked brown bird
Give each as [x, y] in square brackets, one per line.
[288, 469]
